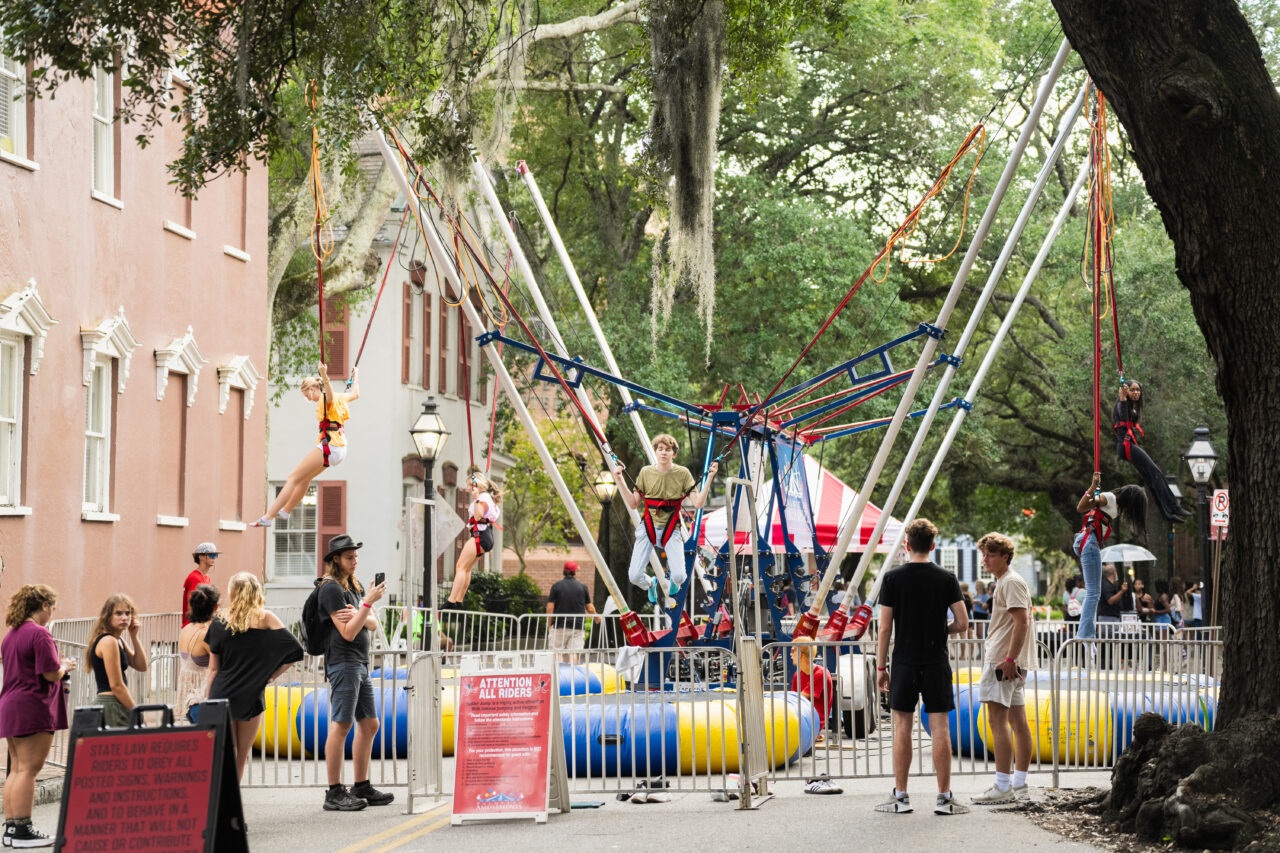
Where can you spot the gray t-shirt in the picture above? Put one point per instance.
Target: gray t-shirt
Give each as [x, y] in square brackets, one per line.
[333, 597]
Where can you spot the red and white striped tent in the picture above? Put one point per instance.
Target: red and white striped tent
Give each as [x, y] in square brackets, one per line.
[832, 502]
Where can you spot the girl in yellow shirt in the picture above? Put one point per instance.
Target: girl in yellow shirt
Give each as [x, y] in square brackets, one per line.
[330, 450]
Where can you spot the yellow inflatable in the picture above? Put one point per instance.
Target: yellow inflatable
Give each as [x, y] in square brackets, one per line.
[1084, 727]
[278, 734]
[709, 732]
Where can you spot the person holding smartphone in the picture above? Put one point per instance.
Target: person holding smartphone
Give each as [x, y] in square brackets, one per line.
[1006, 661]
[343, 600]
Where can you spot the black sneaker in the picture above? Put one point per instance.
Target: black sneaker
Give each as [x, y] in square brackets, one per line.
[24, 836]
[342, 800]
[372, 795]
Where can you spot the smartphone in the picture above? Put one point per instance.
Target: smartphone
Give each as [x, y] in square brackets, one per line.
[1022, 673]
[379, 578]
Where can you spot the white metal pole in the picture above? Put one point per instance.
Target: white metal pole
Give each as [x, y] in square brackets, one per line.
[931, 343]
[581, 293]
[485, 183]
[992, 351]
[504, 378]
[970, 329]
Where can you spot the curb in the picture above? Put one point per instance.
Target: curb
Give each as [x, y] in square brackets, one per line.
[47, 791]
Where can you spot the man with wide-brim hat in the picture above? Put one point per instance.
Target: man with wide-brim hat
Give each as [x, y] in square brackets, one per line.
[345, 602]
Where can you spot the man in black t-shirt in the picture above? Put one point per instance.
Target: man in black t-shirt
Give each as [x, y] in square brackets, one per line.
[914, 600]
[344, 602]
[568, 601]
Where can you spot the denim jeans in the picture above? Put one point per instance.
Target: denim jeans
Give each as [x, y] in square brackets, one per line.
[1086, 548]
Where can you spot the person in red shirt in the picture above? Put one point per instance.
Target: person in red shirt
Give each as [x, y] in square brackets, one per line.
[812, 682]
[204, 555]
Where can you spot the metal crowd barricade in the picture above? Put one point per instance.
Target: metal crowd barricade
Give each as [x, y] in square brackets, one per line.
[1104, 684]
[603, 631]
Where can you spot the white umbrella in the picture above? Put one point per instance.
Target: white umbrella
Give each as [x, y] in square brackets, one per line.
[1126, 554]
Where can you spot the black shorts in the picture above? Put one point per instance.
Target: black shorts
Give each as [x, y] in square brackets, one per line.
[908, 683]
[484, 540]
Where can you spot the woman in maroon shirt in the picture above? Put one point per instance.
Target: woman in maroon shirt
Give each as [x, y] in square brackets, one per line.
[32, 706]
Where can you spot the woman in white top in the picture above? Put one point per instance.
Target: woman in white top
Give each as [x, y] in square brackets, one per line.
[1099, 508]
[483, 514]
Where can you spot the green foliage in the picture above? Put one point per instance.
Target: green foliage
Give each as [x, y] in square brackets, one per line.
[532, 512]
[492, 593]
[397, 56]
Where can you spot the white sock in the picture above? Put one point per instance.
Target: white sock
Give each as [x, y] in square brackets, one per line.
[898, 793]
[1002, 781]
[1019, 778]
[944, 795]
[283, 515]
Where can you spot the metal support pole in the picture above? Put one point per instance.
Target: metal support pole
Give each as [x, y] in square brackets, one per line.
[1206, 580]
[485, 183]
[504, 378]
[808, 624]
[992, 351]
[578, 291]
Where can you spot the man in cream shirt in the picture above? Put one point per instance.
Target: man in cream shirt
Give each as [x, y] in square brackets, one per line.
[1006, 661]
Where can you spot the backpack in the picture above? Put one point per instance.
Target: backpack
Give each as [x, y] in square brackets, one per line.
[314, 630]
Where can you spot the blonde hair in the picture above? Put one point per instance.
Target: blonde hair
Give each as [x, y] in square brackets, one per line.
[103, 625]
[487, 485]
[666, 438]
[998, 544]
[246, 602]
[309, 383]
[27, 600]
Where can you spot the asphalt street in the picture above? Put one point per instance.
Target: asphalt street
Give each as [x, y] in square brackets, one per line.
[290, 820]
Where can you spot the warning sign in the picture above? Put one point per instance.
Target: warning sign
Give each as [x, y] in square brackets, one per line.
[150, 785]
[166, 787]
[1219, 508]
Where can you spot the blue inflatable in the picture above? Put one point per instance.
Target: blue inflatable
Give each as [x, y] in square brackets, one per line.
[641, 739]
[966, 737]
[392, 706]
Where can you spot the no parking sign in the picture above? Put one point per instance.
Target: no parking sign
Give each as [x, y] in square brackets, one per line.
[1219, 508]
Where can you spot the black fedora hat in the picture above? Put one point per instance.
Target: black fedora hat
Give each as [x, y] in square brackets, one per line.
[338, 544]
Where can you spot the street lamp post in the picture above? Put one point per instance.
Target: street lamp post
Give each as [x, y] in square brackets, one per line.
[1201, 459]
[429, 435]
[604, 488]
[1172, 480]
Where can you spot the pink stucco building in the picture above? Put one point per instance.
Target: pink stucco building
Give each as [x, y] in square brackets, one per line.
[133, 336]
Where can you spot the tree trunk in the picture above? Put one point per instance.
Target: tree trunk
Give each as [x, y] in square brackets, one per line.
[1188, 81]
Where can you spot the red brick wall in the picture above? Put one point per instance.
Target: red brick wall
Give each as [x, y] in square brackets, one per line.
[546, 566]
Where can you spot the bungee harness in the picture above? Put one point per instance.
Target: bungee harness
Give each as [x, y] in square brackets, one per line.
[673, 520]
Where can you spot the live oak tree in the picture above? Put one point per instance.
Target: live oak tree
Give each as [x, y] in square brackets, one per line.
[1189, 83]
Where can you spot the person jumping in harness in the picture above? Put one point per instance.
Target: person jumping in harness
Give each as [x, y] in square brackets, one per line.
[483, 514]
[660, 490]
[1099, 508]
[330, 449]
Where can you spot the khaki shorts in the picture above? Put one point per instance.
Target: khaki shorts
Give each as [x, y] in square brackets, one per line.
[1007, 693]
[566, 638]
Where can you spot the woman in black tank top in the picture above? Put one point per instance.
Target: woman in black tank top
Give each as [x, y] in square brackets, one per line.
[109, 656]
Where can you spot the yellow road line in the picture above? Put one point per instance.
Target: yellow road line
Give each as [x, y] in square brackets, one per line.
[403, 826]
[403, 840]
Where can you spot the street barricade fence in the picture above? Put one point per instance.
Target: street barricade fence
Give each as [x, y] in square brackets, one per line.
[636, 719]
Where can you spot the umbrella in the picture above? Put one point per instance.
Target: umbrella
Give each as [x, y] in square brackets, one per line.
[1126, 554]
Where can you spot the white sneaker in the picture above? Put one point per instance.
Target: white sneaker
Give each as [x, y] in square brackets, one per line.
[1022, 792]
[897, 804]
[993, 796]
[948, 806]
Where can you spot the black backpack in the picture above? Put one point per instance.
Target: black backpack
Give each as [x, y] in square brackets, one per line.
[314, 630]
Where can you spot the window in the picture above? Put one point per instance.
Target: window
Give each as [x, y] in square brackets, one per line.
[104, 154]
[13, 108]
[442, 347]
[337, 317]
[294, 541]
[406, 334]
[950, 559]
[12, 357]
[331, 501]
[97, 439]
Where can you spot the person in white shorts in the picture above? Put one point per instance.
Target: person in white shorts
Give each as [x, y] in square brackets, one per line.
[1006, 661]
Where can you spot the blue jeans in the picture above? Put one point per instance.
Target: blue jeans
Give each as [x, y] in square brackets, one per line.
[1086, 548]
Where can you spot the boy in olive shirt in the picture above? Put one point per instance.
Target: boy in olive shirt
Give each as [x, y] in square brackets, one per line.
[660, 489]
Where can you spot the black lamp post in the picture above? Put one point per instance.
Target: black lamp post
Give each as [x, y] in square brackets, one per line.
[604, 488]
[429, 435]
[1172, 480]
[1201, 459]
